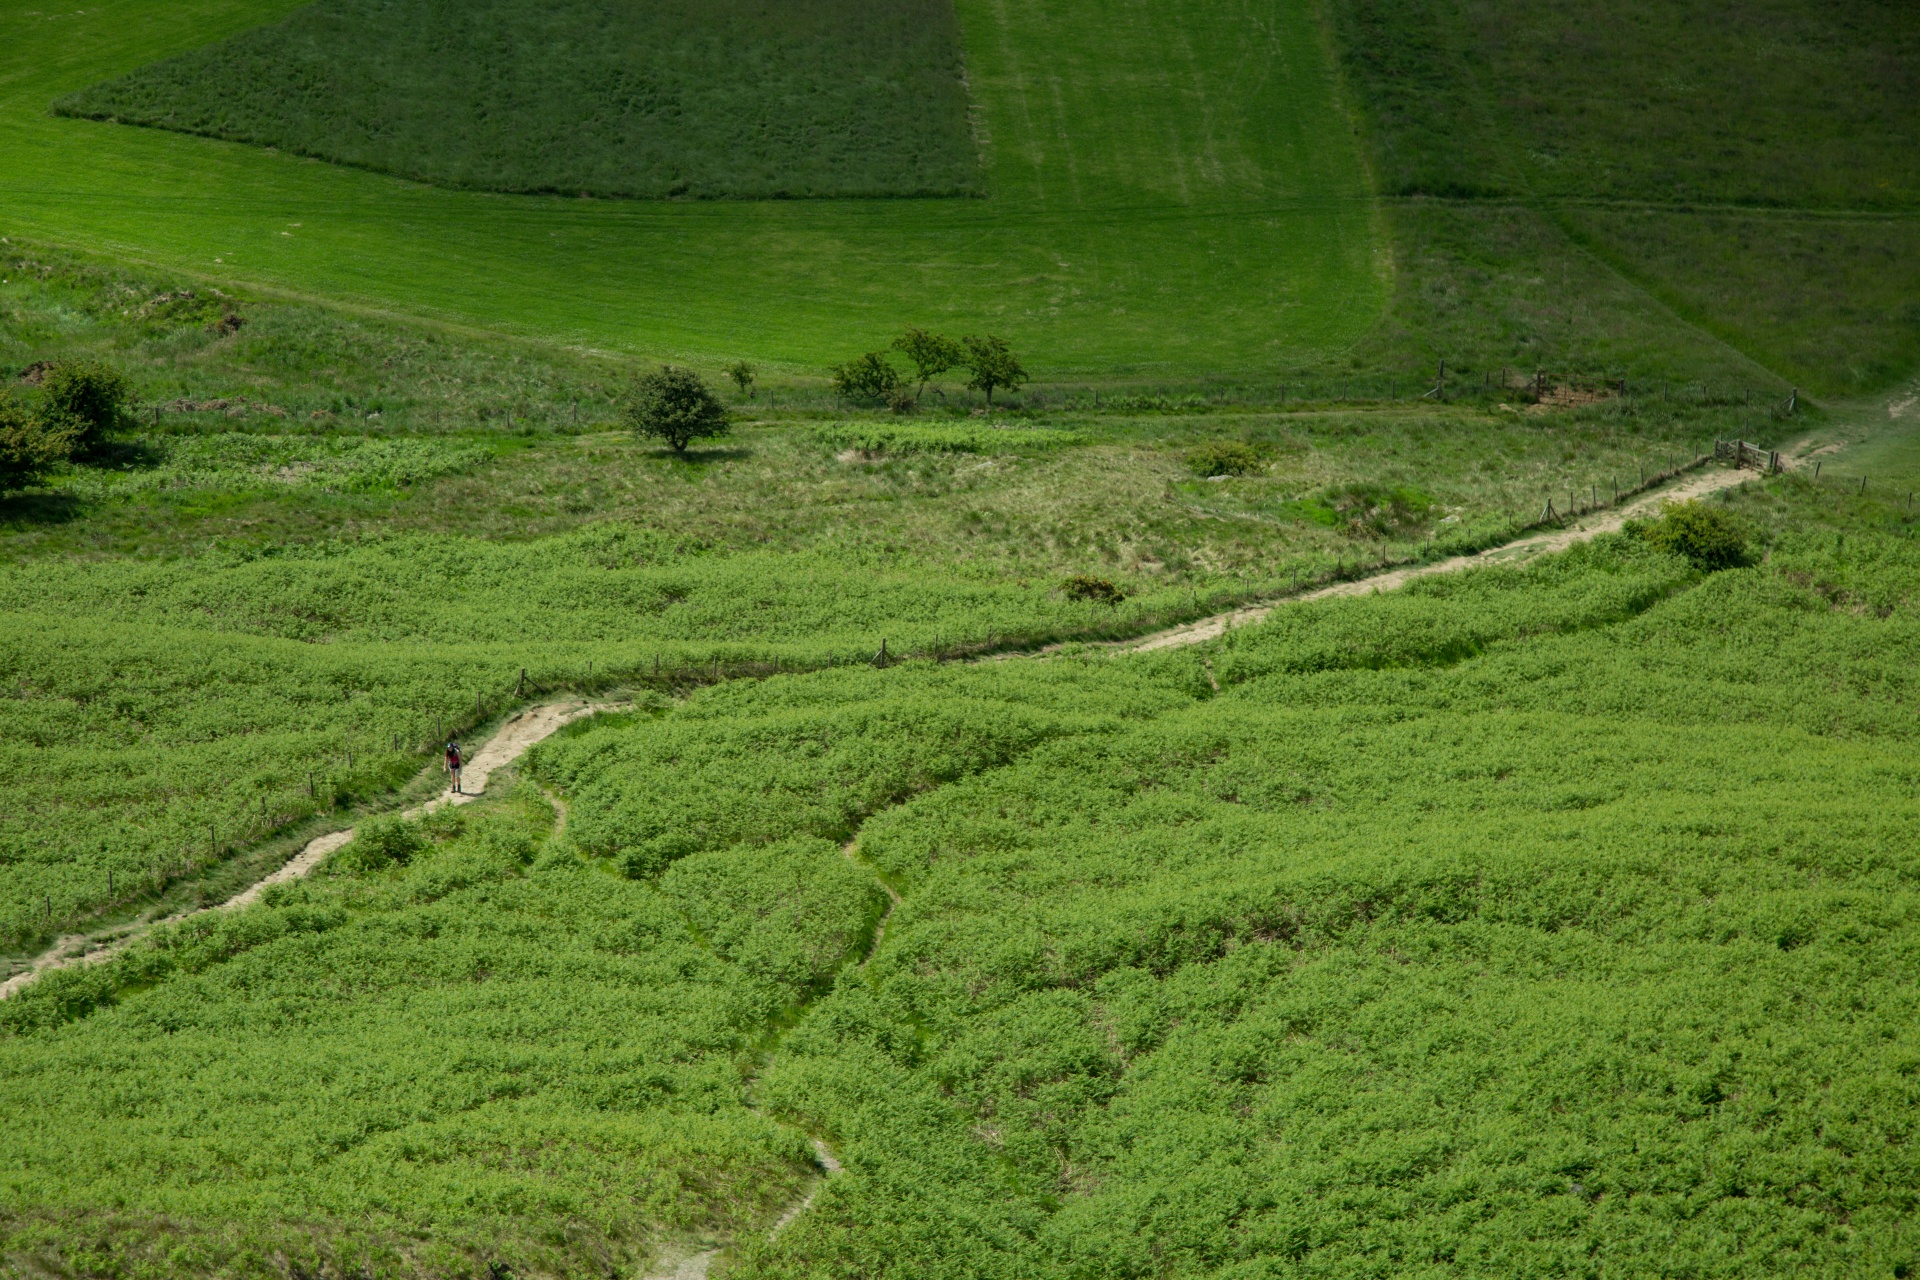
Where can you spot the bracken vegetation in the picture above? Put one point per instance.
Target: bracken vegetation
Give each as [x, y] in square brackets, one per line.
[1508, 919]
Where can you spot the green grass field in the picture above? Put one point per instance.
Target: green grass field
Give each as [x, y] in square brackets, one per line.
[1170, 192]
[794, 100]
[1551, 917]
[1748, 175]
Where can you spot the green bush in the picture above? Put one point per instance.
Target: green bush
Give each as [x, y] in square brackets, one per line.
[85, 398]
[868, 379]
[379, 843]
[30, 443]
[1083, 587]
[1376, 511]
[993, 365]
[1225, 458]
[1712, 538]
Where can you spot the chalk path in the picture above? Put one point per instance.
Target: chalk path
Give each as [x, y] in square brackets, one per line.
[1590, 526]
[515, 737]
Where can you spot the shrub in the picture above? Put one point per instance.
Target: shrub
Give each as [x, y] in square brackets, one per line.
[1224, 458]
[382, 842]
[1082, 587]
[676, 406]
[867, 380]
[742, 374]
[86, 398]
[31, 443]
[1711, 538]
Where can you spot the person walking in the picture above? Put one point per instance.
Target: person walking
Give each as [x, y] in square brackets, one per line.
[452, 764]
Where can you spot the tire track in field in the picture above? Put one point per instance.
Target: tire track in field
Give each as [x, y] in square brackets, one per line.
[533, 725]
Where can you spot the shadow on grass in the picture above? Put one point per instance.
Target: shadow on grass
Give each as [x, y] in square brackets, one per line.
[126, 455]
[704, 457]
[30, 510]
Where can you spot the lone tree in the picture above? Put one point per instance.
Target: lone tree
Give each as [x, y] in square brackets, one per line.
[676, 406]
[994, 365]
[931, 354]
[742, 374]
[867, 379]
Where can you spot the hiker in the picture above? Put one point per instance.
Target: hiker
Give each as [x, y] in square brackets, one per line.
[453, 764]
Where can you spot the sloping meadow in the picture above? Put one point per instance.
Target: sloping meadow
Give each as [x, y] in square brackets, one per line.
[1535, 920]
[1591, 954]
[413, 1071]
[161, 714]
[1556, 920]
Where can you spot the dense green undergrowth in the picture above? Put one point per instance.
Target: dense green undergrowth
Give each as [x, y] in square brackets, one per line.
[1546, 920]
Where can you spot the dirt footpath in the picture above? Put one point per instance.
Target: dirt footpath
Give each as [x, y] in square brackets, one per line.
[516, 736]
[1695, 486]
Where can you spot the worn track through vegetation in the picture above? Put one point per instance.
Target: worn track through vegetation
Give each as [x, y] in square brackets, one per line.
[525, 729]
[1589, 526]
[539, 722]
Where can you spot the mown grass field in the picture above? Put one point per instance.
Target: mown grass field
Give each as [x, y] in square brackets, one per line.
[1747, 175]
[818, 100]
[1170, 192]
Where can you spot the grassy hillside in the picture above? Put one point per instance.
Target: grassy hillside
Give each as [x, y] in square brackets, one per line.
[1750, 171]
[1174, 192]
[828, 98]
[345, 534]
[1507, 924]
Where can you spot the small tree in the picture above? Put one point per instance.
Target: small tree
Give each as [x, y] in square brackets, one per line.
[86, 398]
[993, 364]
[31, 442]
[868, 379]
[676, 406]
[931, 354]
[742, 374]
